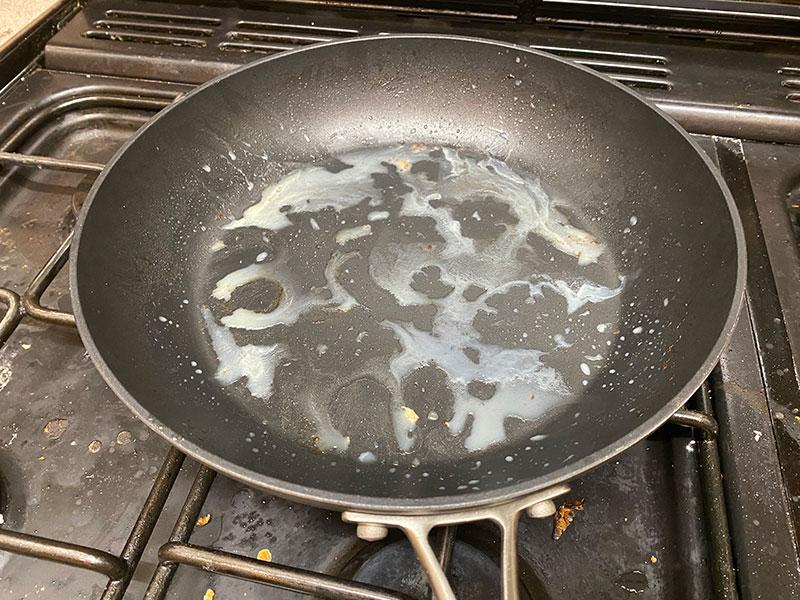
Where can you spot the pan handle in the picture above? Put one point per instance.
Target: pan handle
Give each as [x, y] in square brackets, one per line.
[417, 528]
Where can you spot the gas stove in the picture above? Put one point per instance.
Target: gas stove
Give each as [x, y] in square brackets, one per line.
[94, 505]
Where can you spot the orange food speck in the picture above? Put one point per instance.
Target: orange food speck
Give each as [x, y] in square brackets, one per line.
[203, 521]
[264, 554]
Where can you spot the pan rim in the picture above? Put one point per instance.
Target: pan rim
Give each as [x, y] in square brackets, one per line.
[318, 496]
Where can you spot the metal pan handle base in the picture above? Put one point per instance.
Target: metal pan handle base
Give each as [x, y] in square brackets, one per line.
[417, 528]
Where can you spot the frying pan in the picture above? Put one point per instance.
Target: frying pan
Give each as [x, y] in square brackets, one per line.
[309, 404]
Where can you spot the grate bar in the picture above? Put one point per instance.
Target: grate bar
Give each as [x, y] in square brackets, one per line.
[72, 555]
[697, 419]
[290, 578]
[93, 99]
[143, 528]
[187, 518]
[46, 162]
[184, 525]
[722, 566]
[31, 299]
[12, 315]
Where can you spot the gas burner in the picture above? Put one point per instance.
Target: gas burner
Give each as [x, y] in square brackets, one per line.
[473, 566]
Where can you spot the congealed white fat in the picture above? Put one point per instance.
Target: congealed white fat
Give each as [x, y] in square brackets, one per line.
[313, 188]
[292, 304]
[524, 386]
[256, 364]
[234, 280]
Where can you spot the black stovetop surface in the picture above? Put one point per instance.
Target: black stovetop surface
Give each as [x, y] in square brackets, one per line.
[76, 466]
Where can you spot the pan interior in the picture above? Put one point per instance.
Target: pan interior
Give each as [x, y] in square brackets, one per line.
[328, 283]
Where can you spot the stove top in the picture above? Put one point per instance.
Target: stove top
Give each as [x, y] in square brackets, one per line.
[94, 505]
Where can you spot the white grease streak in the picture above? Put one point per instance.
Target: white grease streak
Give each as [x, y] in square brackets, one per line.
[255, 363]
[524, 387]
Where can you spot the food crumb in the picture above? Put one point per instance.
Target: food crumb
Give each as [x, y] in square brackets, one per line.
[264, 555]
[124, 437]
[55, 428]
[25, 346]
[564, 517]
[653, 559]
[204, 520]
[209, 595]
[410, 414]
[94, 446]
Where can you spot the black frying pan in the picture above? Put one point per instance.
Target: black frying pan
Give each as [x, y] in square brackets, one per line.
[355, 314]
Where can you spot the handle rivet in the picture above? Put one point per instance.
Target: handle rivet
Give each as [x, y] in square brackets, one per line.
[371, 532]
[540, 510]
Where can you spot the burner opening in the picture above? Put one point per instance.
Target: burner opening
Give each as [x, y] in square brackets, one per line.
[473, 571]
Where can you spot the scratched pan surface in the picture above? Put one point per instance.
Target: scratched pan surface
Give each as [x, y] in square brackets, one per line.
[407, 272]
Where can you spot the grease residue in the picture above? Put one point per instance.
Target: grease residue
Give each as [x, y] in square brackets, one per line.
[437, 251]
